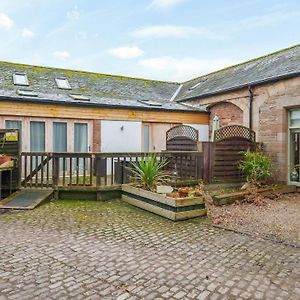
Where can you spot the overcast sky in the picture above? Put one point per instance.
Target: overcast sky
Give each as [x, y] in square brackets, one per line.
[172, 40]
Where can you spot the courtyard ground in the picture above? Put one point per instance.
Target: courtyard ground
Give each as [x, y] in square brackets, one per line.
[278, 220]
[96, 250]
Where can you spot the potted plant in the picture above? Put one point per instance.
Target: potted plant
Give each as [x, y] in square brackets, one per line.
[148, 174]
[4, 158]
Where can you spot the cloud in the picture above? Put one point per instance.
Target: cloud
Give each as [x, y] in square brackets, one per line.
[26, 33]
[126, 52]
[6, 22]
[173, 31]
[165, 3]
[61, 55]
[73, 14]
[180, 69]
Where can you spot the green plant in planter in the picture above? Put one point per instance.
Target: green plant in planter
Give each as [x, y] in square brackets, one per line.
[149, 171]
[256, 166]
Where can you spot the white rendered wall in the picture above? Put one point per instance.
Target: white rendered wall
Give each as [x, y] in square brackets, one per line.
[121, 136]
[203, 131]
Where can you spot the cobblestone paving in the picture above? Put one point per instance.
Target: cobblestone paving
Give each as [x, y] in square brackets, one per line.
[64, 250]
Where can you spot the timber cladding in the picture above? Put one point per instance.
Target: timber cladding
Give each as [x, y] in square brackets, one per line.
[100, 113]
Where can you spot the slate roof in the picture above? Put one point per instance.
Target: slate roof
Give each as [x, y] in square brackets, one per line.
[126, 92]
[103, 90]
[274, 66]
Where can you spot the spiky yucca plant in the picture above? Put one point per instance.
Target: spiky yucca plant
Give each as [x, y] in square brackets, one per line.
[149, 171]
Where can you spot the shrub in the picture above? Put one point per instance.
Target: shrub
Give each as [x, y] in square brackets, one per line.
[149, 171]
[256, 166]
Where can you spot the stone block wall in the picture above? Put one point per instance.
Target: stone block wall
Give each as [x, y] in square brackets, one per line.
[271, 105]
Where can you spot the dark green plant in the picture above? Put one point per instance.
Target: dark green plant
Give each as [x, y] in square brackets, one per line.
[149, 171]
[256, 166]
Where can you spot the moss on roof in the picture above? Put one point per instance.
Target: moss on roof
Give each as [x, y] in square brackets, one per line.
[268, 67]
[242, 63]
[34, 69]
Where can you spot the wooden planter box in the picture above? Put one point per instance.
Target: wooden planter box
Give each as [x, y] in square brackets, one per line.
[226, 199]
[172, 208]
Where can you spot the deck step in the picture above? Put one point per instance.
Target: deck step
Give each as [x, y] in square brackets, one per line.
[26, 199]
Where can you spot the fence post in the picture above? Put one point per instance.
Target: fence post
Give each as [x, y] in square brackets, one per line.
[208, 155]
[55, 171]
[97, 170]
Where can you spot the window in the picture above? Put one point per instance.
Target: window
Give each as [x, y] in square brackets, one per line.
[20, 79]
[150, 103]
[79, 97]
[194, 86]
[295, 118]
[37, 136]
[80, 137]
[27, 93]
[60, 137]
[197, 84]
[294, 147]
[12, 124]
[146, 138]
[63, 83]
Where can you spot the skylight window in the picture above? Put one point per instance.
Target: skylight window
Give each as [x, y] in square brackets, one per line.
[80, 97]
[194, 86]
[197, 84]
[63, 83]
[20, 79]
[27, 93]
[150, 103]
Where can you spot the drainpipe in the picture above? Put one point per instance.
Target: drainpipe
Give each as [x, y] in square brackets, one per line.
[251, 96]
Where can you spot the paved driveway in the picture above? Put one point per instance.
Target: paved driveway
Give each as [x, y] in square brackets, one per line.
[110, 250]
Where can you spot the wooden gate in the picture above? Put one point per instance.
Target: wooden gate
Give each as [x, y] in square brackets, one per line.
[229, 143]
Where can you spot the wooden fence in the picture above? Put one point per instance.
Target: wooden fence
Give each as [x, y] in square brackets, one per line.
[50, 170]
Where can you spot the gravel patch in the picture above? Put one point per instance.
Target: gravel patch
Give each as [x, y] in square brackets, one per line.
[279, 219]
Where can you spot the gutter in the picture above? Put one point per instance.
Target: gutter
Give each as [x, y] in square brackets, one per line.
[100, 105]
[246, 85]
[251, 97]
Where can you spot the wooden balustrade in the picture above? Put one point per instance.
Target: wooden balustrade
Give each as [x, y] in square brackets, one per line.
[49, 169]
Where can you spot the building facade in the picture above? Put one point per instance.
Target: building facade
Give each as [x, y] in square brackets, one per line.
[73, 111]
[263, 94]
[64, 110]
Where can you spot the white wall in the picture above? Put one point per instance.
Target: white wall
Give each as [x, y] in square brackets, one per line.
[203, 131]
[114, 139]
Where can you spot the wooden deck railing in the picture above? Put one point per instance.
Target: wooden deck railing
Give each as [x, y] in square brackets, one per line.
[44, 169]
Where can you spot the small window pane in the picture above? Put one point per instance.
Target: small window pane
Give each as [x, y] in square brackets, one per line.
[37, 136]
[27, 93]
[81, 137]
[295, 118]
[63, 83]
[20, 79]
[79, 97]
[150, 103]
[59, 137]
[12, 124]
[146, 138]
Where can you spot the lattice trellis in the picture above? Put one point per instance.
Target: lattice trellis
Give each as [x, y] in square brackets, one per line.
[234, 131]
[183, 131]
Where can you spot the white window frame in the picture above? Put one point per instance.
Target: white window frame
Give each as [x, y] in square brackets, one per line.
[63, 83]
[16, 80]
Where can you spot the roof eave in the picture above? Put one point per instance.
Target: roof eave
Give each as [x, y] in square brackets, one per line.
[100, 105]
